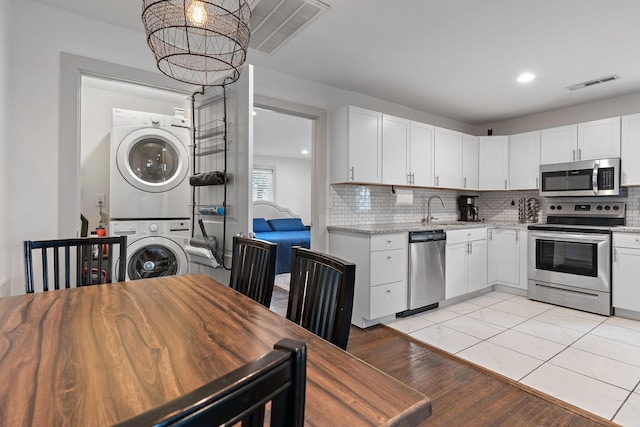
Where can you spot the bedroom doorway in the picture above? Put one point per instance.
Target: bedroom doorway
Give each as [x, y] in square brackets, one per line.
[282, 160]
[284, 169]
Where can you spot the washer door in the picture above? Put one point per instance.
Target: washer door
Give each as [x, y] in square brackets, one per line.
[152, 160]
[155, 257]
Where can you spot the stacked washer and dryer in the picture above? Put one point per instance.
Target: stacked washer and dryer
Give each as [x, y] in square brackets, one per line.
[149, 191]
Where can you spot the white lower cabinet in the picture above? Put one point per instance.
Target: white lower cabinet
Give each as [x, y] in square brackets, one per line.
[504, 256]
[625, 271]
[381, 273]
[507, 259]
[465, 261]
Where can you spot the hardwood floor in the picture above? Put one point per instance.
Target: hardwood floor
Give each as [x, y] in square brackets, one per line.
[462, 394]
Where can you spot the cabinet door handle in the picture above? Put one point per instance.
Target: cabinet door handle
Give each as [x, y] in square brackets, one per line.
[470, 248]
[465, 182]
[579, 153]
[573, 155]
[615, 255]
[353, 173]
[505, 184]
[437, 179]
[409, 178]
[490, 234]
[624, 177]
[517, 232]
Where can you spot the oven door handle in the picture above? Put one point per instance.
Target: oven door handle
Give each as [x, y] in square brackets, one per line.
[575, 237]
[594, 178]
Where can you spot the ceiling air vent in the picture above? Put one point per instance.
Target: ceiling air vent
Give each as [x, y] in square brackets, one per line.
[593, 82]
[273, 22]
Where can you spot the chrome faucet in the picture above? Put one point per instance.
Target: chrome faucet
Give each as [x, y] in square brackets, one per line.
[427, 219]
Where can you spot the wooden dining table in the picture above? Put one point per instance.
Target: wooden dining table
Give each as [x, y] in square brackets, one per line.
[97, 355]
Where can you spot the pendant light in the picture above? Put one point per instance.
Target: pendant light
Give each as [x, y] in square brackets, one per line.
[203, 42]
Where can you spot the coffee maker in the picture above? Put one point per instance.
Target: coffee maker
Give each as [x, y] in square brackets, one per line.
[467, 208]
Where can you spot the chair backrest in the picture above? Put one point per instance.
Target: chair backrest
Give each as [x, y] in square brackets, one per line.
[253, 268]
[321, 294]
[279, 376]
[79, 264]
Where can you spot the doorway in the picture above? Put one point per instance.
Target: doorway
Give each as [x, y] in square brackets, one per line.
[98, 97]
[282, 160]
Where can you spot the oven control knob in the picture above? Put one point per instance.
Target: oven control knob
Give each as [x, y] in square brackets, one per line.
[553, 208]
[607, 208]
[559, 207]
[599, 207]
[616, 207]
[153, 227]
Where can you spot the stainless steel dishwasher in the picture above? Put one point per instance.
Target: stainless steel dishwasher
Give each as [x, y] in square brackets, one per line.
[426, 270]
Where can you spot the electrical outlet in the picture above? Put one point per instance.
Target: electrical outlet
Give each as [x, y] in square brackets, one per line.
[100, 200]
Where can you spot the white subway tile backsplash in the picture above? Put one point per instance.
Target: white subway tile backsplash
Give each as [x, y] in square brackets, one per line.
[353, 204]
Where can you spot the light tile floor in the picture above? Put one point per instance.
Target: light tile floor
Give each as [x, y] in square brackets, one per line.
[590, 361]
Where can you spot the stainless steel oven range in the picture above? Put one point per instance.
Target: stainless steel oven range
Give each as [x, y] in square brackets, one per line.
[570, 256]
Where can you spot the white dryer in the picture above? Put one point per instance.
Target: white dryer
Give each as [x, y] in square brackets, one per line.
[149, 166]
[154, 248]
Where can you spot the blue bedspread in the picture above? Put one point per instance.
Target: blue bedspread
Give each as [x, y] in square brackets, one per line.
[286, 240]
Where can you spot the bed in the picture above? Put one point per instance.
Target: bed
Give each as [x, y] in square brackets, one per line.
[279, 225]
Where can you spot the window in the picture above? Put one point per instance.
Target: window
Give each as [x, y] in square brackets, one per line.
[263, 187]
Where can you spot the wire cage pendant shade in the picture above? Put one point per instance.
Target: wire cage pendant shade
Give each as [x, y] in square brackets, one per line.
[201, 42]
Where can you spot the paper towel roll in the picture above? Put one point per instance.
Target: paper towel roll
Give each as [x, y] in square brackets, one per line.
[404, 197]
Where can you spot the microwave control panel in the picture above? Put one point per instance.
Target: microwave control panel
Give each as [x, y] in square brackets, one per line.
[606, 179]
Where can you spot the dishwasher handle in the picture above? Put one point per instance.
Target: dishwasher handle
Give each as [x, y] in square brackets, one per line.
[426, 236]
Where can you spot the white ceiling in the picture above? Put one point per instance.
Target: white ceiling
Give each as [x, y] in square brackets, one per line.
[454, 58]
[281, 135]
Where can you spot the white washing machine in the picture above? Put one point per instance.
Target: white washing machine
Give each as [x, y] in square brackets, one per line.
[154, 247]
[149, 166]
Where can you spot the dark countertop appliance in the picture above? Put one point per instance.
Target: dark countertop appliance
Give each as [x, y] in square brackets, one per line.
[467, 208]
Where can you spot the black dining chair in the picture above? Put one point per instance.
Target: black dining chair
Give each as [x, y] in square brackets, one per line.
[321, 294]
[278, 377]
[253, 268]
[74, 261]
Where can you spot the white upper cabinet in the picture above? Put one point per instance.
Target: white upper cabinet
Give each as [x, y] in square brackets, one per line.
[598, 139]
[448, 158]
[494, 162]
[395, 150]
[630, 152]
[559, 145]
[524, 161]
[356, 145]
[420, 155]
[470, 162]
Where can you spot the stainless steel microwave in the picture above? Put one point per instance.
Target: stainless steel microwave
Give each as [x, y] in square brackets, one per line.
[585, 178]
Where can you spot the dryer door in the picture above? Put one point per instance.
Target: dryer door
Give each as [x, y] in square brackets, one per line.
[152, 160]
[154, 257]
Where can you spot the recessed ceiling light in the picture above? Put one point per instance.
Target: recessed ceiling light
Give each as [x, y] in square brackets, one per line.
[526, 77]
[305, 152]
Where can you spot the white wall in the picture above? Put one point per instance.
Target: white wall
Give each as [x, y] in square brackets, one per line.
[292, 183]
[98, 97]
[284, 86]
[5, 30]
[612, 107]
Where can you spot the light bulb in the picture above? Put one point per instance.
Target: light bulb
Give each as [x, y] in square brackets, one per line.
[197, 13]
